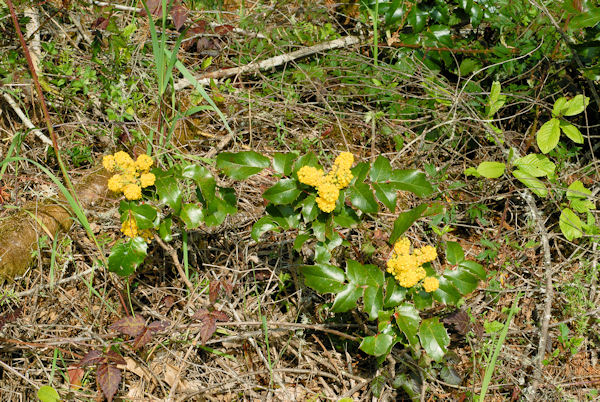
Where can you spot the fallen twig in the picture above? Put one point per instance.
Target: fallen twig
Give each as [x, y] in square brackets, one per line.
[272, 62]
[173, 253]
[26, 120]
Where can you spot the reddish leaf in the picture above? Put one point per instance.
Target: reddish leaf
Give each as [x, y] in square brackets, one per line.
[223, 29]
[220, 316]
[129, 325]
[179, 14]
[228, 286]
[91, 357]
[10, 317]
[169, 301]
[201, 314]
[460, 320]
[142, 339]
[208, 328]
[100, 23]
[198, 28]
[115, 358]
[75, 376]
[156, 326]
[155, 7]
[109, 378]
[213, 291]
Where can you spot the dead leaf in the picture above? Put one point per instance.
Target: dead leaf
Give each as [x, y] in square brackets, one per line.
[460, 320]
[75, 376]
[179, 14]
[129, 325]
[109, 378]
[91, 357]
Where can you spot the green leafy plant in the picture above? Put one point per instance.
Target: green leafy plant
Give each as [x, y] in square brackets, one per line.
[319, 206]
[155, 202]
[548, 135]
[531, 167]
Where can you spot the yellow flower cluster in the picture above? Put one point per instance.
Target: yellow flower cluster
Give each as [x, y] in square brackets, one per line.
[407, 268]
[130, 176]
[130, 229]
[328, 185]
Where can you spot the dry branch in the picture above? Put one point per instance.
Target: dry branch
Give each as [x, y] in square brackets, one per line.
[26, 120]
[271, 62]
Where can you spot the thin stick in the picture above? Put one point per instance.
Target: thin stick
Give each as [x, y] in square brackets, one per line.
[173, 253]
[290, 325]
[272, 62]
[26, 120]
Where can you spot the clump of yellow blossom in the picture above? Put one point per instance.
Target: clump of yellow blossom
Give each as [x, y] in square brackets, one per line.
[130, 176]
[431, 284]
[130, 229]
[328, 185]
[407, 268]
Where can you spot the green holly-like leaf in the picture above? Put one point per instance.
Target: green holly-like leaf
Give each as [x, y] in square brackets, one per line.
[434, 338]
[309, 159]
[536, 165]
[217, 210]
[446, 293]
[360, 172]
[548, 135]
[572, 132]
[408, 319]
[164, 229]
[364, 275]
[203, 178]
[300, 240]
[474, 268]
[570, 224]
[324, 278]
[585, 19]
[310, 210]
[394, 293]
[263, 225]
[125, 256]
[283, 162]
[377, 345]
[285, 215]
[346, 217]
[371, 279]
[285, 191]
[373, 301]
[347, 298]
[241, 165]
[191, 215]
[411, 180]
[422, 300]
[144, 215]
[167, 188]
[362, 198]
[381, 170]
[405, 220]
[536, 185]
[462, 279]
[417, 18]
[386, 193]
[454, 253]
[491, 170]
